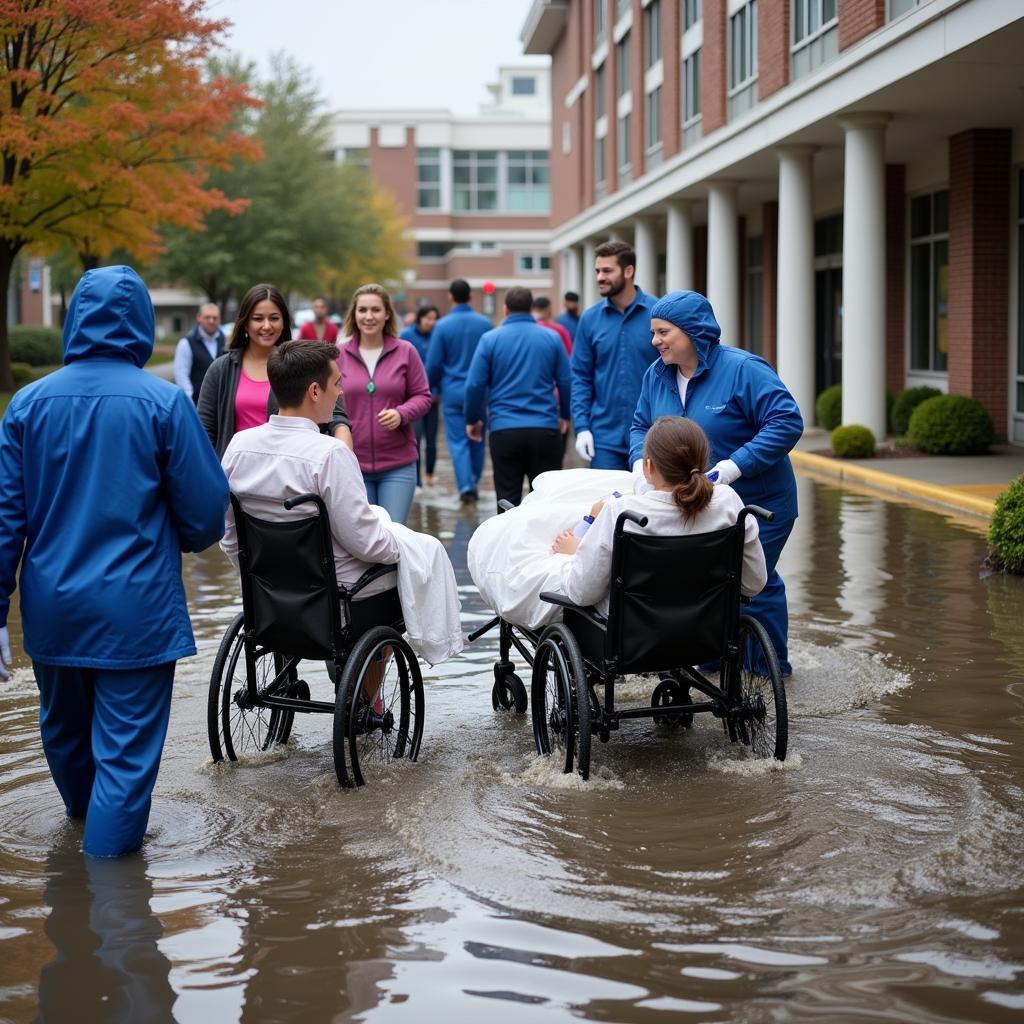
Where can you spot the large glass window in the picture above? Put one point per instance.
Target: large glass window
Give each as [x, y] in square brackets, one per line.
[652, 34]
[815, 34]
[475, 179]
[528, 181]
[693, 11]
[898, 7]
[599, 28]
[599, 87]
[652, 120]
[743, 59]
[623, 145]
[428, 179]
[691, 98]
[524, 85]
[600, 168]
[621, 7]
[622, 65]
[929, 282]
[810, 16]
[754, 318]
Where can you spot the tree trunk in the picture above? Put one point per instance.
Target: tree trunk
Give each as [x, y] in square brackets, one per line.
[89, 261]
[7, 254]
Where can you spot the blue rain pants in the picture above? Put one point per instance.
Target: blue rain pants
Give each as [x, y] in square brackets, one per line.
[103, 733]
[467, 456]
[770, 607]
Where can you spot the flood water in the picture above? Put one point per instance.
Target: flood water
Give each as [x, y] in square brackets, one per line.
[875, 875]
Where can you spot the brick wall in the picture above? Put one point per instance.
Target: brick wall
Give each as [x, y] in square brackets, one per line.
[769, 280]
[671, 63]
[858, 18]
[713, 68]
[394, 168]
[572, 174]
[772, 46]
[636, 80]
[895, 277]
[979, 266]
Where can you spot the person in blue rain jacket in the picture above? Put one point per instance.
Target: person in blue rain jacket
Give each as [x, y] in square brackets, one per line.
[106, 476]
[751, 420]
[452, 344]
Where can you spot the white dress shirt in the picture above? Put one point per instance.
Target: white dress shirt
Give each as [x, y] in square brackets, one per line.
[289, 456]
[183, 360]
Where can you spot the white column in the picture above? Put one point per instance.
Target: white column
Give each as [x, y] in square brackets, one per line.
[589, 291]
[571, 277]
[864, 272]
[679, 246]
[723, 258]
[795, 276]
[645, 245]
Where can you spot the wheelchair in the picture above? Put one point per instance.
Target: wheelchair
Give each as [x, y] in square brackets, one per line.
[292, 609]
[674, 611]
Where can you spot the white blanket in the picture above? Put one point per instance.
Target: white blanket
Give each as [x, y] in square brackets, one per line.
[428, 592]
[510, 556]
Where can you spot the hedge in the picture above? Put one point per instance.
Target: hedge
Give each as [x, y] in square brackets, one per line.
[951, 425]
[829, 407]
[905, 404]
[853, 442]
[1006, 530]
[37, 346]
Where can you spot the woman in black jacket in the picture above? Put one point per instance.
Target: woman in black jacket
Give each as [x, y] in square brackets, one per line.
[236, 392]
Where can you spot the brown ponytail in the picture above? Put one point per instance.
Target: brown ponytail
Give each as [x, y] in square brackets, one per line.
[680, 451]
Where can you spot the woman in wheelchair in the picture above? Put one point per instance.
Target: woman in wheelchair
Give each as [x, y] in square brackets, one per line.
[681, 501]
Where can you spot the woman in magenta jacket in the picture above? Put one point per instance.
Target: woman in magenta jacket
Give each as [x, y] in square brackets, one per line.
[386, 391]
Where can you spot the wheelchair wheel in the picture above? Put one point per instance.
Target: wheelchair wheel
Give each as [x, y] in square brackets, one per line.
[668, 693]
[235, 727]
[508, 692]
[387, 725]
[764, 720]
[561, 701]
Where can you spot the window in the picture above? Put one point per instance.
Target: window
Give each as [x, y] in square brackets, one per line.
[428, 179]
[754, 318]
[743, 59]
[598, 22]
[528, 180]
[929, 282]
[600, 170]
[898, 7]
[354, 157]
[532, 263]
[652, 34]
[815, 34]
[652, 121]
[526, 85]
[693, 11]
[433, 250]
[623, 145]
[621, 8]
[1020, 300]
[475, 179]
[691, 98]
[622, 64]
[599, 100]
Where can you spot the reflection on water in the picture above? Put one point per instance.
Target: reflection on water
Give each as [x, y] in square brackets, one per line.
[875, 875]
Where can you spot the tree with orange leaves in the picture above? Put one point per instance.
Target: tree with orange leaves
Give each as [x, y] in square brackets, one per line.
[108, 128]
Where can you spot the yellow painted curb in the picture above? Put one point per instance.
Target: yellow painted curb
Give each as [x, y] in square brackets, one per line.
[890, 483]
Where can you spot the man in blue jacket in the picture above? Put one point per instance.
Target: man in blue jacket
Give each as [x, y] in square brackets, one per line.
[452, 345]
[750, 418]
[515, 370]
[106, 476]
[611, 352]
[570, 319]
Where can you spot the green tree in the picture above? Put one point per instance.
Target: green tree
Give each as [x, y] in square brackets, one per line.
[309, 220]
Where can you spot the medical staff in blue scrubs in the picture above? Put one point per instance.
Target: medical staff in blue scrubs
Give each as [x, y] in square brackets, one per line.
[452, 345]
[107, 476]
[751, 420]
[611, 352]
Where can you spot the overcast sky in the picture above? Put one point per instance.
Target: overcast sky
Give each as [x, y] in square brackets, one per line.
[385, 53]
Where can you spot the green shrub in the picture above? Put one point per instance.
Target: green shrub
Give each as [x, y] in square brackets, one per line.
[829, 407]
[853, 442]
[37, 346]
[904, 406]
[951, 425]
[22, 373]
[1006, 530]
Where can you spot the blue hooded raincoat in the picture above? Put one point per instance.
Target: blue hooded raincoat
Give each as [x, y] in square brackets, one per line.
[106, 476]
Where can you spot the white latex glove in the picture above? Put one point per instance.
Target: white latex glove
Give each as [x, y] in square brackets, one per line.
[585, 445]
[640, 482]
[5, 653]
[724, 472]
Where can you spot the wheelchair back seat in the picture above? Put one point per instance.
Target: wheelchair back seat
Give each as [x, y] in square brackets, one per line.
[672, 601]
[291, 600]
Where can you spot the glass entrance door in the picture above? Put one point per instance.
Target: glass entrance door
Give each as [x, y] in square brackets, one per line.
[828, 327]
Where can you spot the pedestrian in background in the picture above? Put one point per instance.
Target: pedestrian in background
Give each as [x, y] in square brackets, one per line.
[320, 328]
[570, 318]
[515, 371]
[452, 346]
[236, 393]
[418, 335]
[106, 477]
[196, 352]
[611, 353]
[386, 386]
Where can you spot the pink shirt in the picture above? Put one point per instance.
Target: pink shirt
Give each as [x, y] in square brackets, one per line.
[251, 402]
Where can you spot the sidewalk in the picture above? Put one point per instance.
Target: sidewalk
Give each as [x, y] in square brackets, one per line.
[968, 483]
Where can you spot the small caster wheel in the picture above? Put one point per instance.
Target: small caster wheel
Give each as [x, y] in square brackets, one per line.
[508, 694]
[667, 694]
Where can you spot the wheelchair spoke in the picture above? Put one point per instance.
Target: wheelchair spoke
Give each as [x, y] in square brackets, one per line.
[762, 715]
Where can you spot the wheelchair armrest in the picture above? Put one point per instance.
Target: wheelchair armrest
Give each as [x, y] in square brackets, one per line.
[373, 573]
[590, 613]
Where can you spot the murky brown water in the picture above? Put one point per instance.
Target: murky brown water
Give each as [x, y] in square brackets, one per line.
[875, 876]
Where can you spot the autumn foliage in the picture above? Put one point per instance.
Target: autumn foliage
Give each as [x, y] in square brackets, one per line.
[108, 127]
